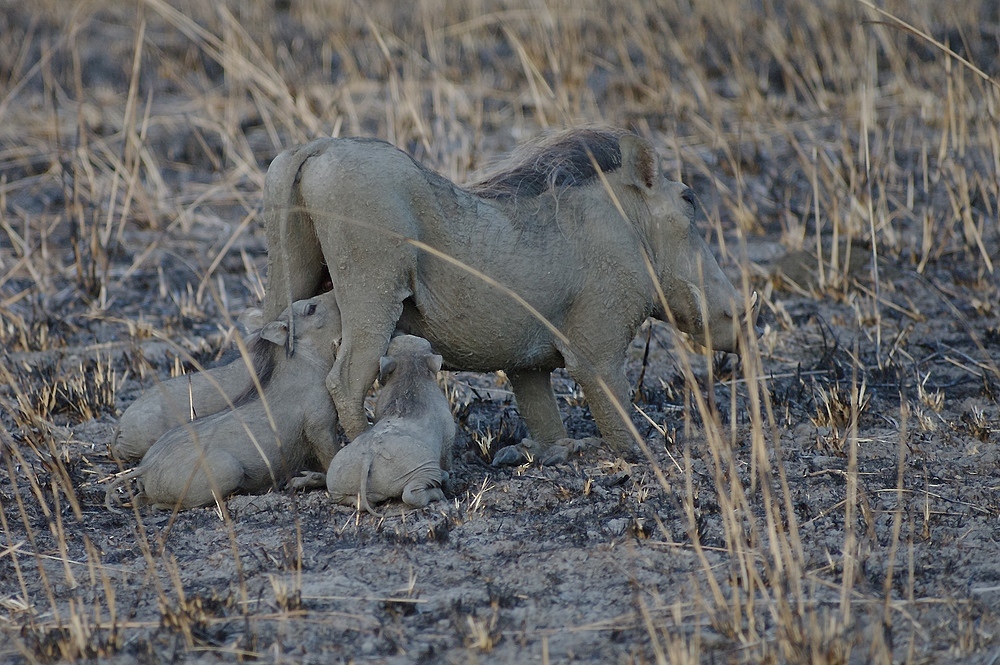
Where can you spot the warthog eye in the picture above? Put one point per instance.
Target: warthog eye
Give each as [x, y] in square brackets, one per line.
[311, 309]
[688, 195]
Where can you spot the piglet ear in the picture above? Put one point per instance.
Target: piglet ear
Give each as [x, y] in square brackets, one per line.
[252, 319]
[386, 366]
[275, 332]
[434, 362]
[638, 161]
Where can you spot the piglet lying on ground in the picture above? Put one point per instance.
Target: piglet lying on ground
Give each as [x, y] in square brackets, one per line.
[173, 402]
[402, 455]
[264, 441]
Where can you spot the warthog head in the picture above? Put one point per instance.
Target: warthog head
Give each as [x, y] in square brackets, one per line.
[314, 324]
[410, 350]
[701, 300]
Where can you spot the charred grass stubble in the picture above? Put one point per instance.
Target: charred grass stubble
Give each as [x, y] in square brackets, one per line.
[841, 127]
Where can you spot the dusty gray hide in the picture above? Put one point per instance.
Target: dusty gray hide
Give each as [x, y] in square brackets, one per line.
[170, 403]
[405, 451]
[591, 249]
[263, 442]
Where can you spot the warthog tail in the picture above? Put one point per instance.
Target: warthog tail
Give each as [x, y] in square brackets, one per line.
[280, 192]
[366, 470]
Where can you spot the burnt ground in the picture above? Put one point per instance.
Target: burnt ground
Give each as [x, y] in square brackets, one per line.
[774, 532]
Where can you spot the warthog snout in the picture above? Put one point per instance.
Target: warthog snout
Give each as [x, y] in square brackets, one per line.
[714, 314]
[723, 331]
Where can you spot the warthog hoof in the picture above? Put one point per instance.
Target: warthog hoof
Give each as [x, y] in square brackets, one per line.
[308, 480]
[509, 456]
[553, 455]
[559, 452]
[529, 450]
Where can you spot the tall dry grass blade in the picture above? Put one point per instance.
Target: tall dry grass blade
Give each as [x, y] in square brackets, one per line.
[128, 146]
[849, 554]
[903, 25]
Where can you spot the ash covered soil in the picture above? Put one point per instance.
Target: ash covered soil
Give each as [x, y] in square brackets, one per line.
[571, 560]
[608, 558]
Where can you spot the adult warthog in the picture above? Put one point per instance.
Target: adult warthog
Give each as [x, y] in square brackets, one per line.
[580, 230]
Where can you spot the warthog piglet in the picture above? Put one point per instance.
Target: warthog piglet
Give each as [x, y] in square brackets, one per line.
[266, 440]
[184, 398]
[403, 454]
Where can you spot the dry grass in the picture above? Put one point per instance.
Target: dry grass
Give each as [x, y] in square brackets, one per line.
[133, 140]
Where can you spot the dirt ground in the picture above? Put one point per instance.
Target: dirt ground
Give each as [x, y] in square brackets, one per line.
[834, 497]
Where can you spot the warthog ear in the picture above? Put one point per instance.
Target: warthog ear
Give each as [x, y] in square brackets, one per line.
[386, 366]
[434, 362]
[638, 160]
[252, 319]
[276, 332]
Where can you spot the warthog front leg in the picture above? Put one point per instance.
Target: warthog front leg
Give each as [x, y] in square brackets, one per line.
[606, 389]
[321, 431]
[537, 405]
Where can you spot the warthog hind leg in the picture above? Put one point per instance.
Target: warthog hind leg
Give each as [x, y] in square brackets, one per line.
[357, 362]
[418, 493]
[308, 480]
[219, 469]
